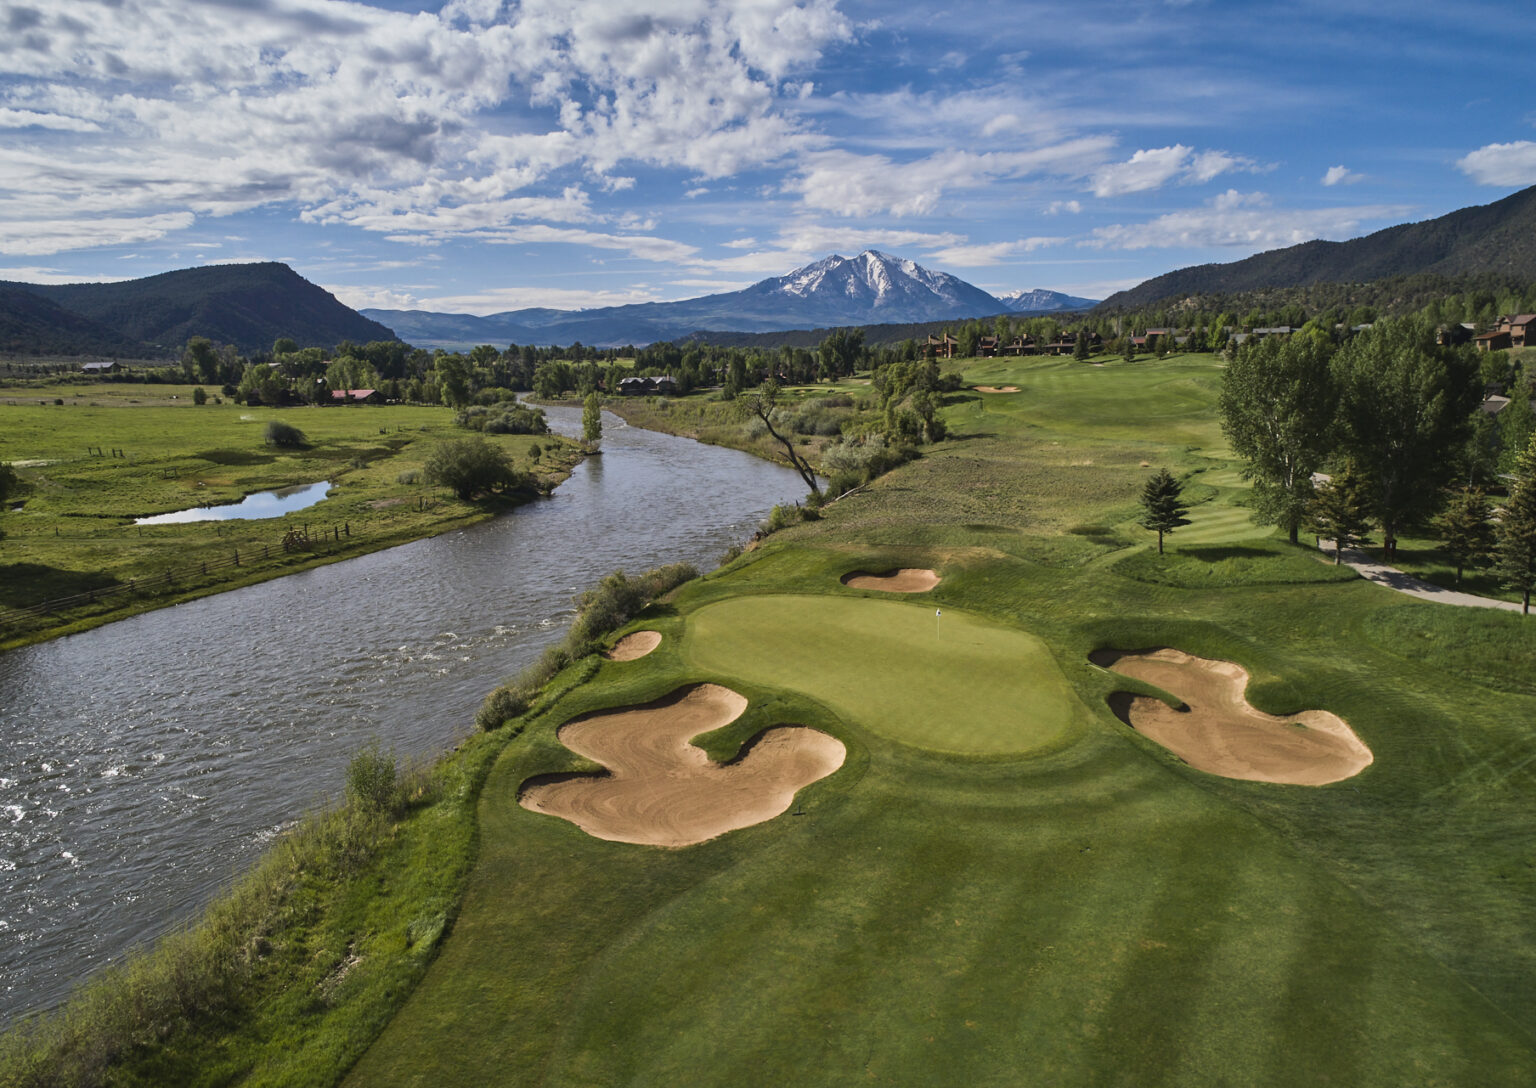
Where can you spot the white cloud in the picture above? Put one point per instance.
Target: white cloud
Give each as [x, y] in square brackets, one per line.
[399, 123]
[989, 253]
[861, 185]
[38, 274]
[518, 298]
[1056, 207]
[1512, 164]
[1243, 220]
[38, 238]
[1340, 175]
[1155, 167]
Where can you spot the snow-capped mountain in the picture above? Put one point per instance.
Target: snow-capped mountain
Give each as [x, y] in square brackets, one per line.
[872, 288]
[1040, 301]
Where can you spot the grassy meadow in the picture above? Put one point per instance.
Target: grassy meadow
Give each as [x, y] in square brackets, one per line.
[1003, 884]
[159, 452]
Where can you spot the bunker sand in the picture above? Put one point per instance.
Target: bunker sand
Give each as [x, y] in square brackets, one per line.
[634, 646]
[1220, 733]
[905, 580]
[660, 790]
[995, 388]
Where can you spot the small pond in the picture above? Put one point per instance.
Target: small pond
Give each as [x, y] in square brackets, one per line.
[261, 504]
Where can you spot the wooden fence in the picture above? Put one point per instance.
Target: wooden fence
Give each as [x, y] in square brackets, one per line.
[293, 543]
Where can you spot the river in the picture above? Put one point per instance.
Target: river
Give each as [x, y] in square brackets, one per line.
[146, 763]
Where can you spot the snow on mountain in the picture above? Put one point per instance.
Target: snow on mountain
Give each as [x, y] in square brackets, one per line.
[1042, 301]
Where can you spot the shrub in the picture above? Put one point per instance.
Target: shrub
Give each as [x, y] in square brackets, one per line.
[199, 395]
[471, 466]
[371, 782]
[286, 435]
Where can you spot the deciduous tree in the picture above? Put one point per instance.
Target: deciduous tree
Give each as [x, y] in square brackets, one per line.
[591, 420]
[1277, 411]
[761, 405]
[1405, 405]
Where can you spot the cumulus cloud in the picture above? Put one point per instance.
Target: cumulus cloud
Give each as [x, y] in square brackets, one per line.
[984, 254]
[1245, 220]
[1512, 164]
[453, 121]
[1340, 175]
[1153, 168]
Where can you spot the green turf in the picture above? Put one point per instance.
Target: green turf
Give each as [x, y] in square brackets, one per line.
[956, 682]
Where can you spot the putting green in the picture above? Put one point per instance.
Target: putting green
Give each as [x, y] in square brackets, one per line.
[956, 683]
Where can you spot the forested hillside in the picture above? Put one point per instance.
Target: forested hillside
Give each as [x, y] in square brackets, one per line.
[1496, 239]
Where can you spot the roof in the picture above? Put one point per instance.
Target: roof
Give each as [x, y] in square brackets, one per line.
[352, 394]
[1522, 319]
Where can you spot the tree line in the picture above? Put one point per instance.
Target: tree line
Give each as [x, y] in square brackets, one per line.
[1392, 417]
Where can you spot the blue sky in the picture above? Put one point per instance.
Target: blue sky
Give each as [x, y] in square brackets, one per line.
[480, 156]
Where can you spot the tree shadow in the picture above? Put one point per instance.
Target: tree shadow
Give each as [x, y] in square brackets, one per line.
[1229, 551]
[25, 584]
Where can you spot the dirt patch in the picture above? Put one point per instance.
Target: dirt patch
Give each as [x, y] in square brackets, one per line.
[905, 580]
[380, 504]
[995, 388]
[634, 645]
[1217, 731]
[660, 790]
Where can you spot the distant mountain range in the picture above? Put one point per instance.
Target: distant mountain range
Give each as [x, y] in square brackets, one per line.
[872, 288]
[248, 305]
[1497, 239]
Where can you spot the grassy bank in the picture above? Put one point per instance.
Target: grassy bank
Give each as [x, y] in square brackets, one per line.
[94, 464]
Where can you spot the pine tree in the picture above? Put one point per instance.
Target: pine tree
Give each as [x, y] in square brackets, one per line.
[1080, 348]
[1464, 527]
[1340, 511]
[1163, 505]
[1515, 562]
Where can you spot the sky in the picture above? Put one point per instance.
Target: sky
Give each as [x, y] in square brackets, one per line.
[479, 156]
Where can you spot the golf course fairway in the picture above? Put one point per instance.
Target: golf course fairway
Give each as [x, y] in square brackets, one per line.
[953, 682]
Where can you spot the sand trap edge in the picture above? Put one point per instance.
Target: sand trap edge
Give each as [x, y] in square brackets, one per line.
[901, 580]
[634, 646]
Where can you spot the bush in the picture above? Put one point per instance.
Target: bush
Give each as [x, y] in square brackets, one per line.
[286, 435]
[371, 782]
[199, 395]
[855, 461]
[504, 419]
[471, 466]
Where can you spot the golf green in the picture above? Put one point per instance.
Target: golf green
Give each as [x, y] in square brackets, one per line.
[953, 682]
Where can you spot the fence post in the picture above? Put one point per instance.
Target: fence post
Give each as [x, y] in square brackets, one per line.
[237, 557]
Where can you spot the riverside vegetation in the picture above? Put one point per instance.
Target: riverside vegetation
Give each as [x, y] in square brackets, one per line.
[87, 467]
[1070, 899]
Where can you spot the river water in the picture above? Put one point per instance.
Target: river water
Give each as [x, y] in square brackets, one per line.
[144, 764]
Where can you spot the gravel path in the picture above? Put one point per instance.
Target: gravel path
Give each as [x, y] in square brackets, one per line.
[1393, 578]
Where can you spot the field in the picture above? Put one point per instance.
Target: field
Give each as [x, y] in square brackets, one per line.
[1004, 884]
[111, 453]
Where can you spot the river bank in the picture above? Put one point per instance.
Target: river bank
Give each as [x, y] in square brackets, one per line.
[73, 559]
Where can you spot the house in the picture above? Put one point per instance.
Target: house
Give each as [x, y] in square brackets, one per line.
[356, 396]
[1021, 345]
[986, 347]
[1447, 336]
[644, 387]
[107, 366]
[1497, 340]
[1493, 404]
[940, 347]
[1521, 330]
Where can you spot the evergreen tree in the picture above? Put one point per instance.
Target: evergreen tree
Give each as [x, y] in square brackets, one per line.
[1340, 511]
[1464, 527]
[1163, 507]
[1080, 348]
[1515, 561]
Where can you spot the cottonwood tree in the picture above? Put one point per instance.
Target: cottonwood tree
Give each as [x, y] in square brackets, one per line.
[761, 405]
[1277, 411]
[1163, 506]
[1405, 405]
[1340, 511]
[591, 420]
[470, 466]
[1465, 528]
[1515, 559]
[10, 483]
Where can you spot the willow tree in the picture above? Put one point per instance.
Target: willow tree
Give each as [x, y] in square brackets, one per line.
[762, 405]
[1277, 411]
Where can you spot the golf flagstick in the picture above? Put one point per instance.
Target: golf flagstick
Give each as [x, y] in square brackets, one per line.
[937, 612]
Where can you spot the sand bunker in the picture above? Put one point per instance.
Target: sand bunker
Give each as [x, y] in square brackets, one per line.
[634, 645]
[905, 580]
[662, 791]
[1219, 732]
[995, 388]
